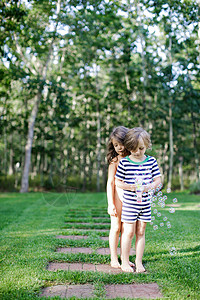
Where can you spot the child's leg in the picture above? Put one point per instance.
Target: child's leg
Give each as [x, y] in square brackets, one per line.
[121, 242]
[114, 234]
[139, 245]
[128, 231]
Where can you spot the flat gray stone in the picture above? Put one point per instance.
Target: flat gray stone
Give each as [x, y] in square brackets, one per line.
[80, 291]
[75, 250]
[83, 267]
[102, 251]
[104, 238]
[67, 291]
[52, 291]
[72, 237]
[130, 291]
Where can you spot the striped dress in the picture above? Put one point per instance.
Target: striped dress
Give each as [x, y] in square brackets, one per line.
[128, 171]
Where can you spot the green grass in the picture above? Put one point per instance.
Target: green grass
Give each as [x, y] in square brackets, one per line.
[30, 222]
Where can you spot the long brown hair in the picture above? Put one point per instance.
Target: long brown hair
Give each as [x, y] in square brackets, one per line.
[119, 134]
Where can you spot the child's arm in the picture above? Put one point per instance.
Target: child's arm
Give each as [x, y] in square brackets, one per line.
[125, 186]
[152, 186]
[131, 187]
[111, 189]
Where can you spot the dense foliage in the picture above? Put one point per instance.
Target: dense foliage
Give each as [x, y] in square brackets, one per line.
[70, 71]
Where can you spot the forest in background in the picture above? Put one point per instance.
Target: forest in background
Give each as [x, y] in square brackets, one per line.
[71, 71]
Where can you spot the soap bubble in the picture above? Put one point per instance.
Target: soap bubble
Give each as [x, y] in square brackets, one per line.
[175, 200]
[164, 197]
[159, 187]
[173, 251]
[151, 223]
[152, 218]
[159, 194]
[161, 224]
[169, 225]
[153, 204]
[163, 205]
[172, 210]
[155, 227]
[150, 193]
[159, 214]
[155, 211]
[168, 190]
[165, 219]
[154, 198]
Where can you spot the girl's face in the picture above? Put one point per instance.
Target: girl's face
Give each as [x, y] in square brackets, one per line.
[119, 148]
[140, 151]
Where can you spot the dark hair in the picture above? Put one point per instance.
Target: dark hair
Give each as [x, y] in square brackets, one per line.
[132, 138]
[119, 134]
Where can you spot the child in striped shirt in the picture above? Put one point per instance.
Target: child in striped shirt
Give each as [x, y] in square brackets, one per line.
[135, 210]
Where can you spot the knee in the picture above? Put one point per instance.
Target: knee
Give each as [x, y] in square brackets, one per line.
[115, 229]
[140, 232]
[129, 234]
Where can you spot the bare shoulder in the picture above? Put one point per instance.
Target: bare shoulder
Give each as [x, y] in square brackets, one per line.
[115, 160]
[113, 165]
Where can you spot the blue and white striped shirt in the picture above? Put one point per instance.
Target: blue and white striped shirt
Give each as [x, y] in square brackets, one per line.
[129, 170]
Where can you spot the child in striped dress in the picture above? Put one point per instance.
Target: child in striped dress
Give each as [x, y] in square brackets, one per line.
[136, 165]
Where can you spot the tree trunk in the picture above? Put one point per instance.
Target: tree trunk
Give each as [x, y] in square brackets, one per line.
[28, 147]
[144, 73]
[196, 158]
[98, 146]
[171, 147]
[180, 169]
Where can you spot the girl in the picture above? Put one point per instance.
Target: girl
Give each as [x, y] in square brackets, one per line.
[136, 165]
[116, 151]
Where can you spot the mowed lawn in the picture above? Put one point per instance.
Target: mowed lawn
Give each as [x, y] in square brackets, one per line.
[30, 222]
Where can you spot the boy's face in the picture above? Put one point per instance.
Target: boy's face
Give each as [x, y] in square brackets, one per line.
[119, 148]
[140, 151]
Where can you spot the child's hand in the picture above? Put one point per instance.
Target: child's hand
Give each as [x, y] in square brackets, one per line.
[147, 188]
[112, 210]
[132, 187]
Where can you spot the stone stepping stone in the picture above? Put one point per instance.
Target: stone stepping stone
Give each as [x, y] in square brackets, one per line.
[79, 237]
[102, 251]
[72, 237]
[128, 291]
[97, 218]
[132, 291]
[82, 267]
[75, 250]
[104, 238]
[84, 223]
[92, 229]
[67, 291]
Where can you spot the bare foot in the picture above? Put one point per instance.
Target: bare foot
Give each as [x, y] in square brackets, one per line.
[140, 268]
[115, 264]
[131, 264]
[126, 268]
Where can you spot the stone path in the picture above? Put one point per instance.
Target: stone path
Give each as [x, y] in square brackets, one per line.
[84, 223]
[82, 267]
[128, 291]
[67, 291]
[90, 229]
[147, 290]
[102, 251]
[79, 237]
